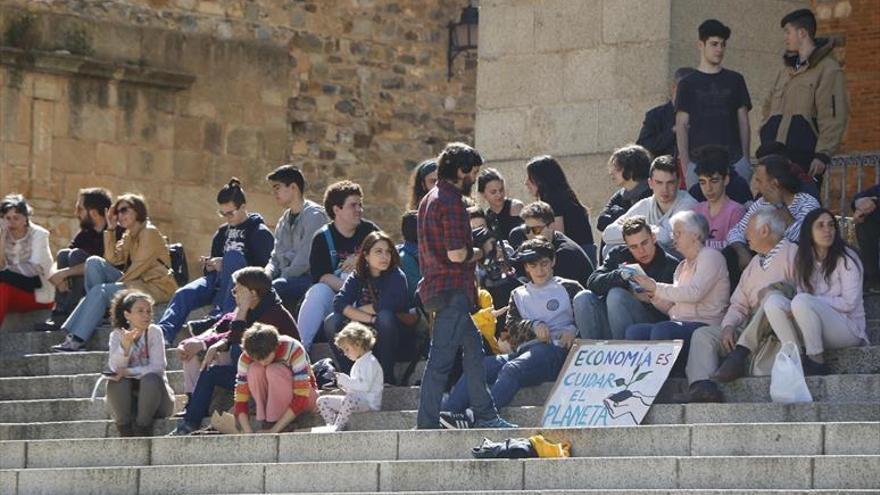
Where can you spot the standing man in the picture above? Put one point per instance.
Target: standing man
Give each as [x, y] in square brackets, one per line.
[712, 106]
[807, 109]
[658, 129]
[448, 288]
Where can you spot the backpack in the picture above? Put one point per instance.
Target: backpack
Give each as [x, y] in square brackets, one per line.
[178, 264]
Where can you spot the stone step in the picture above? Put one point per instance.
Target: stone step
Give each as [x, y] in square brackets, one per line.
[853, 360]
[634, 473]
[650, 441]
[622, 492]
[41, 410]
[845, 388]
[525, 416]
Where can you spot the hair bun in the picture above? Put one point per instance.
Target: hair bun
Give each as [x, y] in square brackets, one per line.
[234, 182]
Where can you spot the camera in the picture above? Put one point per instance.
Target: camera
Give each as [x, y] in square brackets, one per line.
[496, 262]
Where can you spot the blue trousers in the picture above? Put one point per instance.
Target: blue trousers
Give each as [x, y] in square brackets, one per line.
[214, 288]
[101, 285]
[214, 376]
[292, 289]
[508, 373]
[454, 331]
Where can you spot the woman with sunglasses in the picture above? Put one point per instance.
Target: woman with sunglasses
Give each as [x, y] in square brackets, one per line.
[242, 241]
[143, 254]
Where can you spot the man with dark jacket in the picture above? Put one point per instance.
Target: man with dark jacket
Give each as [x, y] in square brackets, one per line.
[807, 109]
[657, 134]
[244, 240]
[572, 262]
[866, 216]
[612, 301]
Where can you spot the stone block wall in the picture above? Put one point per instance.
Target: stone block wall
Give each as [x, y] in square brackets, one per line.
[573, 78]
[171, 98]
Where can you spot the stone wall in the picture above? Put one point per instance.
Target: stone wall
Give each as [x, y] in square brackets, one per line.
[172, 98]
[573, 78]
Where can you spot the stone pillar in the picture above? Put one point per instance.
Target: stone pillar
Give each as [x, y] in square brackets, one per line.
[573, 78]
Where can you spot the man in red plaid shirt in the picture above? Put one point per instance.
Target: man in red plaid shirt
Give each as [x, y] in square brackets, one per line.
[448, 288]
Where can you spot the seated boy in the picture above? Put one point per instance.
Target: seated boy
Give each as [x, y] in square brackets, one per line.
[540, 321]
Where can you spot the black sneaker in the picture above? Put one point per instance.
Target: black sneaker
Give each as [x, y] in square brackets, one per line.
[198, 327]
[812, 368]
[457, 421]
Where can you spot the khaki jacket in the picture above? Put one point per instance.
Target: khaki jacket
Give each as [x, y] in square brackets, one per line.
[807, 109]
[147, 258]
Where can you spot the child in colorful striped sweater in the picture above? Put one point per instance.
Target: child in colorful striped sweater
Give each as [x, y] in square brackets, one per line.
[275, 372]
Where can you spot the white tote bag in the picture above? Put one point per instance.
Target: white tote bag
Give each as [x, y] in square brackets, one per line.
[787, 383]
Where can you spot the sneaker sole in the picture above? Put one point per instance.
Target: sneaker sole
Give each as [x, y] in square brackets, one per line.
[452, 425]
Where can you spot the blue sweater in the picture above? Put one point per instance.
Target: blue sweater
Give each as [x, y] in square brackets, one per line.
[389, 289]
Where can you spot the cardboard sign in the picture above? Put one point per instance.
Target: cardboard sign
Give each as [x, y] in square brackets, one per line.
[609, 382]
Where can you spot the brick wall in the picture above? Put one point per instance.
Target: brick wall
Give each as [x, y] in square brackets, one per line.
[855, 25]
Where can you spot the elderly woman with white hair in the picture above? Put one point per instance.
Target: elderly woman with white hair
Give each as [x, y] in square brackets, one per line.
[700, 290]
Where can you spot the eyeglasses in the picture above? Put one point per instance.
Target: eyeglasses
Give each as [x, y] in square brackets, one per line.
[536, 229]
[227, 214]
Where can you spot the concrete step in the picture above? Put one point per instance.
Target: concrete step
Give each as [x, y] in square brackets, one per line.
[40, 410]
[854, 360]
[623, 492]
[634, 473]
[44, 391]
[525, 416]
[671, 440]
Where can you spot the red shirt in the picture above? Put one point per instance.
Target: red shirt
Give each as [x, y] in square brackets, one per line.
[444, 226]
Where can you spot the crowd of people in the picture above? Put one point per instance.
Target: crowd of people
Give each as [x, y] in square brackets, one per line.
[698, 244]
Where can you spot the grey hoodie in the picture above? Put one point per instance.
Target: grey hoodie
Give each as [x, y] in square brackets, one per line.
[293, 243]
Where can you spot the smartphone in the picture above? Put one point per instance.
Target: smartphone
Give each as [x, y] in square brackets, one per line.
[108, 373]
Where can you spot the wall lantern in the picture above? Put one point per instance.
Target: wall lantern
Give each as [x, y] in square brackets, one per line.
[462, 35]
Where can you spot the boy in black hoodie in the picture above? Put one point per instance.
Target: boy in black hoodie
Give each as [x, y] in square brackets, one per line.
[244, 240]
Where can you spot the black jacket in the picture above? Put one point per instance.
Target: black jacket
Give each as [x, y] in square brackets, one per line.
[661, 269]
[619, 204]
[656, 134]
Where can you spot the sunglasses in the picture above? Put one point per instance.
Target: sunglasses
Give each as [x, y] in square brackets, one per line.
[227, 214]
[536, 229]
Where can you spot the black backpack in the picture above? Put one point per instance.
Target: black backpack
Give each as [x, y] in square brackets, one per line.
[178, 264]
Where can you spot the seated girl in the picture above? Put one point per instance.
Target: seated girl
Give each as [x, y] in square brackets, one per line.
[363, 388]
[138, 392]
[375, 295]
[828, 307]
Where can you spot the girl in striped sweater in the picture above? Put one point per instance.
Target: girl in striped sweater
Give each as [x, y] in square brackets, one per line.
[275, 372]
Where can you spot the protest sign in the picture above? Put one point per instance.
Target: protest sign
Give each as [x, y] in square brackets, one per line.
[609, 382]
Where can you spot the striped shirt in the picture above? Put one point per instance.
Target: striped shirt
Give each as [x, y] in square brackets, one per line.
[291, 353]
[802, 204]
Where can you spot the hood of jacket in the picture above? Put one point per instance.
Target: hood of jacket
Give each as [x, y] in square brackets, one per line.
[824, 47]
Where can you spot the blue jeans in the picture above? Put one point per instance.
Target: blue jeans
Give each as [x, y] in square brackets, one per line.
[214, 288]
[509, 372]
[454, 330]
[214, 376]
[387, 341]
[292, 289]
[666, 330]
[608, 318]
[101, 285]
[316, 305]
[65, 302]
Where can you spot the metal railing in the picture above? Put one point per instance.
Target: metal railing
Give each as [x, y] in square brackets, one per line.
[847, 175]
